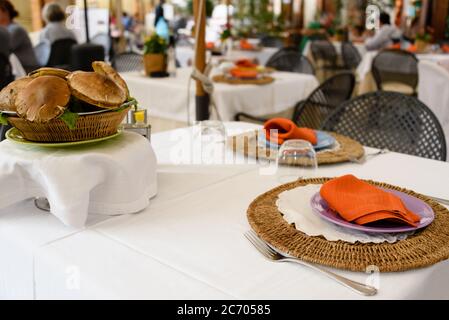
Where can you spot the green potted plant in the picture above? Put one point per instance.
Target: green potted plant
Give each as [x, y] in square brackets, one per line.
[155, 54]
[422, 41]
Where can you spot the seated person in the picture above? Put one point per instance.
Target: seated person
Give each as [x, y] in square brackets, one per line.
[20, 43]
[385, 36]
[54, 16]
[356, 34]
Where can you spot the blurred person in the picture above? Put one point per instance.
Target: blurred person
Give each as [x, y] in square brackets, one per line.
[20, 43]
[127, 21]
[357, 34]
[159, 13]
[385, 36]
[55, 29]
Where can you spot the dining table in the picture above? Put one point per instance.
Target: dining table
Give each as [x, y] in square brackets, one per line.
[189, 243]
[433, 90]
[365, 77]
[185, 55]
[173, 97]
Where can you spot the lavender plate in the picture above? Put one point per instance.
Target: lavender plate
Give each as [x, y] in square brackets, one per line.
[320, 207]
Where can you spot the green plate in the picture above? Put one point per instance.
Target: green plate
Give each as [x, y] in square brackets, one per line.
[15, 136]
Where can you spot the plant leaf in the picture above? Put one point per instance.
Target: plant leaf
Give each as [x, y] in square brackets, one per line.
[69, 118]
[3, 120]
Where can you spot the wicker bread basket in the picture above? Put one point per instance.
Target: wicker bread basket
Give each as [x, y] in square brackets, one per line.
[93, 126]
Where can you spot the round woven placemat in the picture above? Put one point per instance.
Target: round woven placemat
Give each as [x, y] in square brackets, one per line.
[248, 144]
[424, 248]
[261, 81]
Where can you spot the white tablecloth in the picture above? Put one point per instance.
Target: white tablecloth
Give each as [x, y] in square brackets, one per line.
[185, 55]
[365, 65]
[189, 243]
[167, 97]
[433, 90]
[433, 87]
[115, 177]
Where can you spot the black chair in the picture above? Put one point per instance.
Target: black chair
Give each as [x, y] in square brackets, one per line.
[393, 121]
[312, 111]
[282, 51]
[351, 56]
[272, 42]
[324, 51]
[129, 61]
[396, 70]
[6, 75]
[104, 40]
[60, 54]
[84, 54]
[291, 61]
[324, 100]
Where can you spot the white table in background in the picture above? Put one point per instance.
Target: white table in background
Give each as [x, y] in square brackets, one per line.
[185, 55]
[363, 71]
[167, 97]
[433, 90]
[189, 243]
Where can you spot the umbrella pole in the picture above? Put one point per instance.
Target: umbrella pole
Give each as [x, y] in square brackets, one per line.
[202, 99]
[86, 21]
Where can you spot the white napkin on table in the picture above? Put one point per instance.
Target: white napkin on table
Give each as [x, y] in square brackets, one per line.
[295, 206]
[114, 177]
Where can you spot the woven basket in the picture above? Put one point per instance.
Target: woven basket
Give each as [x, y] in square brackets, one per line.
[88, 127]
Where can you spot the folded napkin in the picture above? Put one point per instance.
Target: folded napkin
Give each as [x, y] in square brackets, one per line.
[413, 48]
[245, 45]
[243, 73]
[295, 206]
[445, 48]
[246, 63]
[210, 45]
[287, 130]
[359, 202]
[396, 46]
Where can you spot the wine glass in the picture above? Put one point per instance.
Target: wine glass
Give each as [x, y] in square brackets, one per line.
[296, 159]
[213, 142]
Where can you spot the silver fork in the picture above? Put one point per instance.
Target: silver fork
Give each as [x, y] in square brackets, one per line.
[275, 256]
[363, 159]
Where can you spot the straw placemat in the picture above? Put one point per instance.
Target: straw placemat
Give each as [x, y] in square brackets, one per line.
[424, 248]
[248, 145]
[260, 81]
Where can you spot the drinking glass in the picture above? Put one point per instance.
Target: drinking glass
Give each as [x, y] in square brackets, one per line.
[296, 159]
[213, 142]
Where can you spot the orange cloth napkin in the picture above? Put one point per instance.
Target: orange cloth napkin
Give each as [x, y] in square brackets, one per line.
[245, 63]
[412, 49]
[359, 202]
[288, 130]
[396, 46]
[445, 48]
[243, 73]
[210, 45]
[245, 45]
